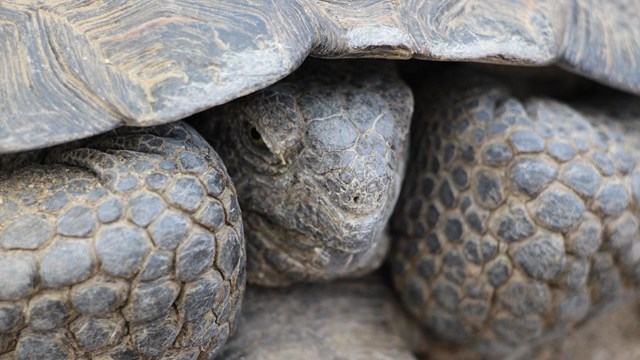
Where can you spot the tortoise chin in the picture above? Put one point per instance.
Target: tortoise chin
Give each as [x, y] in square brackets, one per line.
[280, 256]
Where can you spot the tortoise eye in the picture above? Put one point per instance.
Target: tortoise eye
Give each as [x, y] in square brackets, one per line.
[255, 136]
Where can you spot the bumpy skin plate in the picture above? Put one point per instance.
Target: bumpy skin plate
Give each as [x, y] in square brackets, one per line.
[318, 161]
[137, 250]
[70, 69]
[517, 218]
[352, 319]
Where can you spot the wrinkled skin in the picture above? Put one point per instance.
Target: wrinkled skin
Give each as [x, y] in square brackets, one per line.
[317, 160]
[518, 219]
[127, 245]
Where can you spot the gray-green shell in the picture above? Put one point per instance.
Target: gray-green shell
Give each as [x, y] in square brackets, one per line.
[70, 70]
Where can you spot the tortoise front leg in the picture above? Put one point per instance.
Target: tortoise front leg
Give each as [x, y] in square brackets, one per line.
[130, 243]
[518, 217]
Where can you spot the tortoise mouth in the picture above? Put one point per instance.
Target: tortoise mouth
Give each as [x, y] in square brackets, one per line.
[280, 255]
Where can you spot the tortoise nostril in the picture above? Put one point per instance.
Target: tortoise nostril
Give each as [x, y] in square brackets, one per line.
[356, 199]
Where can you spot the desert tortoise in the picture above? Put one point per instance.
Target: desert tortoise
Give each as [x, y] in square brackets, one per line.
[134, 71]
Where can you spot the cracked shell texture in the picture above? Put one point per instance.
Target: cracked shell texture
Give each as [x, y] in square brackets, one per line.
[101, 257]
[318, 161]
[347, 319]
[70, 70]
[540, 238]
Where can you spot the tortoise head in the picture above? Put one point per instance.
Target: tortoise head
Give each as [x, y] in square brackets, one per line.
[317, 161]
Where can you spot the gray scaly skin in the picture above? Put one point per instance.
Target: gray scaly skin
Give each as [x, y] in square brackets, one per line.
[518, 219]
[318, 161]
[352, 319]
[129, 244]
